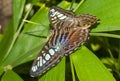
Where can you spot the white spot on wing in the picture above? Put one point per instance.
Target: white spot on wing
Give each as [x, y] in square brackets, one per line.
[47, 57]
[46, 47]
[52, 18]
[76, 48]
[44, 54]
[42, 51]
[38, 58]
[57, 48]
[54, 14]
[52, 10]
[52, 52]
[60, 15]
[63, 17]
[44, 61]
[33, 69]
[40, 61]
[70, 52]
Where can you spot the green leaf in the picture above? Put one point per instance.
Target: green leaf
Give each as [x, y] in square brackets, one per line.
[11, 29]
[88, 67]
[26, 43]
[11, 76]
[6, 41]
[106, 10]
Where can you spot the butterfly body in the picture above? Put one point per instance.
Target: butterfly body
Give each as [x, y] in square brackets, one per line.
[69, 32]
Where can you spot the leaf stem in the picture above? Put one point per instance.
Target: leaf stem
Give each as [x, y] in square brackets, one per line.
[73, 1]
[81, 2]
[34, 23]
[105, 35]
[72, 69]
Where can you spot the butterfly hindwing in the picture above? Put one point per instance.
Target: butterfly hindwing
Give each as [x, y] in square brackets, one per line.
[74, 36]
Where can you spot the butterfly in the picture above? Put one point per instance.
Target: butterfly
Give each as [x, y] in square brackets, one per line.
[69, 32]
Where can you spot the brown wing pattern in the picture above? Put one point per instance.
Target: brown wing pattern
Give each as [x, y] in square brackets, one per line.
[69, 33]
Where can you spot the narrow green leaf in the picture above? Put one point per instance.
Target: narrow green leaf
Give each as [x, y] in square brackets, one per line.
[89, 68]
[18, 6]
[11, 76]
[106, 35]
[106, 10]
[72, 70]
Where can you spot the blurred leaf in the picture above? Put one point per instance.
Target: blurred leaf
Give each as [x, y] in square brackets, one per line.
[11, 76]
[88, 67]
[107, 11]
[119, 56]
[6, 41]
[35, 1]
[1, 37]
[1, 70]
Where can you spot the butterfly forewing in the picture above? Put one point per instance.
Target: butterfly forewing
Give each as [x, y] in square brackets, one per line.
[49, 56]
[45, 61]
[58, 17]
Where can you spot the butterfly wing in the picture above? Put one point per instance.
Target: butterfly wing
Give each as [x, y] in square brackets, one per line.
[76, 35]
[70, 32]
[85, 21]
[50, 55]
[58, 17]
[73, 39]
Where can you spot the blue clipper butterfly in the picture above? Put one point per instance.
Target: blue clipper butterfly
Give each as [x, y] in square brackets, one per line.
[69, 32]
